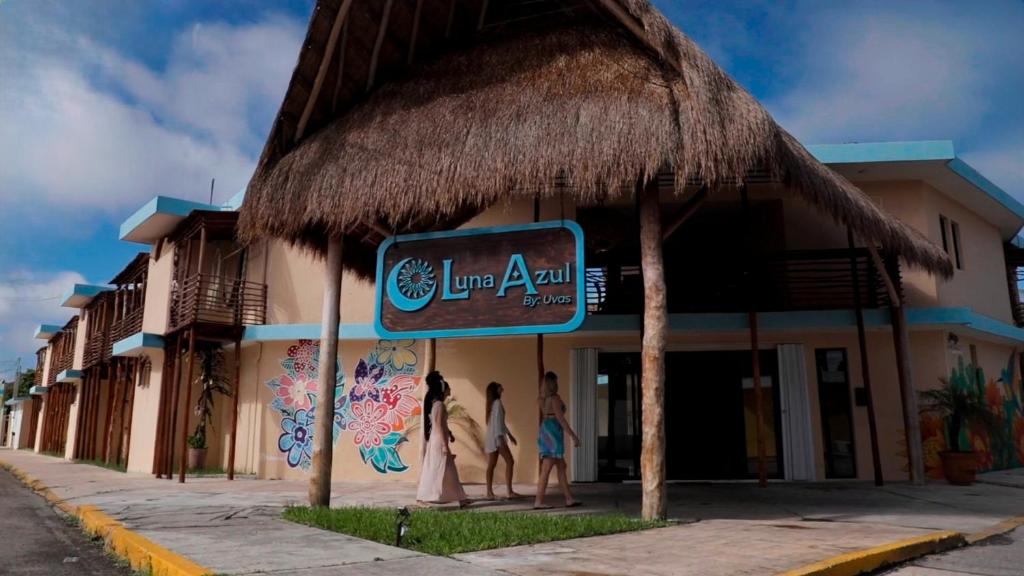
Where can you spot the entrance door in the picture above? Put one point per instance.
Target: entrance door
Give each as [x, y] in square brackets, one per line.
[710, 415]
[836, 413]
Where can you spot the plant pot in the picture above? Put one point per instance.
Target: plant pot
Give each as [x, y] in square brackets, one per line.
[959, 467]
[196, 458]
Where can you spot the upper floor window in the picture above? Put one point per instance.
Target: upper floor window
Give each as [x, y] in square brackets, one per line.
[951, 241]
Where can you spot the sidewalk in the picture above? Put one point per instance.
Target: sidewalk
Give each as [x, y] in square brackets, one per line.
[234, 527]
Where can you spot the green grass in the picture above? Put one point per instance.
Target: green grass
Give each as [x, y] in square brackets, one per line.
[102, 464]
[444, 533]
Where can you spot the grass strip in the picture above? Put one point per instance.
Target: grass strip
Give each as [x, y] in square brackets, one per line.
[444, 532]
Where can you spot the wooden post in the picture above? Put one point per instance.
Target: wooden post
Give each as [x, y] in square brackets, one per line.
[130, 408]
[323, 437]
[172, 412]
[865, 368]
[755, 346]
[904, 371]
[234, 408]
[183, 464]
[109, 412]
[115, 411]
[655, 326]
[430, 356]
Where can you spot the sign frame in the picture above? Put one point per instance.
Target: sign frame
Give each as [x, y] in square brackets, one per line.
[571, 326]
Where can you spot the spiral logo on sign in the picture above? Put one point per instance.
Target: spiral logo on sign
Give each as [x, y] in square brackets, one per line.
[411, 284]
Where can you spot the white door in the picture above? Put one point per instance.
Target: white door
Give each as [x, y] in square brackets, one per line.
[584, 414]
[797, 435]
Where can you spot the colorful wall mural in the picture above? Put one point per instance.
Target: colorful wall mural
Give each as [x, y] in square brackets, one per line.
[1001, 449]
[375, 411]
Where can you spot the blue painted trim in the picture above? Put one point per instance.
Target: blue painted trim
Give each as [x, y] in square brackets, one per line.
[18, 400]
[570, 326]
[736, 322]
[281, 332]
[88, 291]
[235, 202]
[137, 342]
[39, 390]
[855, 153]
[161, 205]
[69, 376]
[47, 331]
[965, 171]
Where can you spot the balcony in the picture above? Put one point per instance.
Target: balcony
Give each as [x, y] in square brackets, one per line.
[782, 281]
[127, 325]
[217, 300]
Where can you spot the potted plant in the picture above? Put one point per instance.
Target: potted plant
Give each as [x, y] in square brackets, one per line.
[959, 406]
[212, 381]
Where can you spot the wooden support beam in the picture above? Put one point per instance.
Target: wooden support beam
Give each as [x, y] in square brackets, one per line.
[321, 73]
[755, 345]
[237, 391]
[614, 7]
[451, 19]
[415, 32]
[890, 285]
[340, 75]
[183, 463]
[684, 214]
[865, 368]
[905, 374]
[323, 435]
[483, 15]
[382, 32]
[655, 328]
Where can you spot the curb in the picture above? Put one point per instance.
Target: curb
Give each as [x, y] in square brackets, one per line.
[868, 559]
[1003, 527]
[140, 552]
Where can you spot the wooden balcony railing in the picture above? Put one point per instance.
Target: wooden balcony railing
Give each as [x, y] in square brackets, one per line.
[124, 327]
[205, 298]
[791, 280]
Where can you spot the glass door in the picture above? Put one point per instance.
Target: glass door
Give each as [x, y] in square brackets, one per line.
[836, 413]
[618, 417]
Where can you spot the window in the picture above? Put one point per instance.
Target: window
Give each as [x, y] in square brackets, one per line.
[951, 240]
[956, 246]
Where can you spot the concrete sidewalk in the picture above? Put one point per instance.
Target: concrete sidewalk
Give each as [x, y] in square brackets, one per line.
[234, 527]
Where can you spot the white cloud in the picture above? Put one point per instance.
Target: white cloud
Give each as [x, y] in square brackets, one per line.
[26, 300]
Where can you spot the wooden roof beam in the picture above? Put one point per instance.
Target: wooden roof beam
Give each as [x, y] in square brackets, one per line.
[381, 33]
[636, 28]
[321, 73]
[415, 31]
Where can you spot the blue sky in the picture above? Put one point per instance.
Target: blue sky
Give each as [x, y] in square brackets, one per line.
[106, 103]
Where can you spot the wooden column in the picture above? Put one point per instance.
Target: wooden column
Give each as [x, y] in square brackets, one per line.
[904, 371]
[323, 436]
[173, 410]
[430, 356]
[114, 421]
[865, 368]
[129, 408]
[655, 327]
[183, 464]
[161, 418]
[234, 408]
[109, 411]
[755, 345]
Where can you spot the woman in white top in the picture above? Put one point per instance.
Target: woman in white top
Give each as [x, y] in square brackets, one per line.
[496, 442]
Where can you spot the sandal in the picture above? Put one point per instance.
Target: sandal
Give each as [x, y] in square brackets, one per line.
[543, 507]
[574, 504]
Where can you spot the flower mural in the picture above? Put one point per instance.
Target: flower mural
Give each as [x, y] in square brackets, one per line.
[295, 396]
[375, 410]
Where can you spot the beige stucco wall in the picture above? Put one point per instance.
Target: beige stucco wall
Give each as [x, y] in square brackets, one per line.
[144, 417]
[158, 291]
[79, 352]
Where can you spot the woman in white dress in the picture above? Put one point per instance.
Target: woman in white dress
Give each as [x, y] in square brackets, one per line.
[439, 479]
[497, 439]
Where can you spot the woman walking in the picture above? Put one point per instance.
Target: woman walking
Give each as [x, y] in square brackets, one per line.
[551, 442]
[496, 442]
[439, 479]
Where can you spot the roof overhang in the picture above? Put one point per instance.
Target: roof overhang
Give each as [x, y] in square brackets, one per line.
[158, 217]
[70, 376]
[80, 295]
[138, 344]
[934, 162]
[47, 331]
[39, 390]
[18, 400]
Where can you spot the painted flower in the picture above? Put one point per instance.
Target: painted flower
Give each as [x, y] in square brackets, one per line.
[369, 422]
[367, 377]
[305, 357]
[297, 439]
[385, 458]
[399, 396]
[396, 353]
[298, 393]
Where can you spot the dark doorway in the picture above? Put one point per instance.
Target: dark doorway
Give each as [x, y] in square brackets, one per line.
[836, 413]
[710, 417]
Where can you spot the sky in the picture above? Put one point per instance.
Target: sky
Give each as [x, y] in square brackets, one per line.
[107, 103]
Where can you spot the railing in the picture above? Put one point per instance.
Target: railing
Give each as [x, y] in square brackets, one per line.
[124, 327]
[205, 298]
[792, 280]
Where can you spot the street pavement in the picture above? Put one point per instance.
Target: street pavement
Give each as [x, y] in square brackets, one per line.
[725, 529]
[36, 540]
[1000, 556]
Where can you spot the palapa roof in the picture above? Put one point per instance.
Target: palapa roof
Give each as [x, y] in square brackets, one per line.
[412, 115]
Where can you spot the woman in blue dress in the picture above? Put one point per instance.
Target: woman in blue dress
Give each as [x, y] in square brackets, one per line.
[551, 442]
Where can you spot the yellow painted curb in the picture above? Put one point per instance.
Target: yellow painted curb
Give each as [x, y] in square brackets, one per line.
[869, 559]
[995, 530]
[140, 552]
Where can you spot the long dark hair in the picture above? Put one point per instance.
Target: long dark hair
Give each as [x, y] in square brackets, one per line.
[492, 395]
[435, 392]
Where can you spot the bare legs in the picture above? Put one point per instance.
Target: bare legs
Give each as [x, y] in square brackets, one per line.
[542, 482]
[492, 462]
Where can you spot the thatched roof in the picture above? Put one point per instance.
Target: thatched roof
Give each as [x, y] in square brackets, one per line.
[507, 99]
